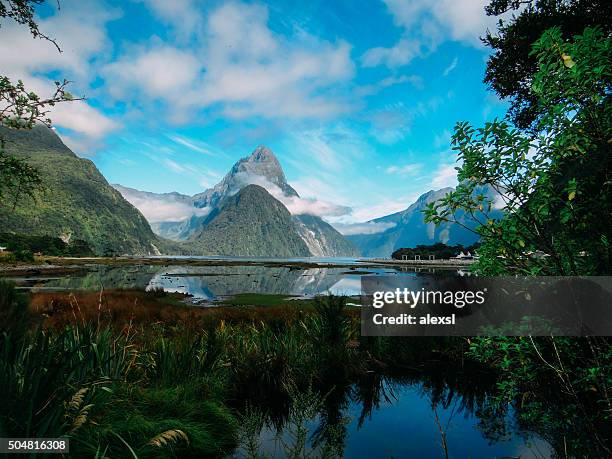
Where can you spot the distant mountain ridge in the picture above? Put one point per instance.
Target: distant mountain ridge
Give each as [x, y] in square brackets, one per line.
[76, 202]
[409, 228]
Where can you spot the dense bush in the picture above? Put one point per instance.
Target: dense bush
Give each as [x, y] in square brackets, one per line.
[47, 245]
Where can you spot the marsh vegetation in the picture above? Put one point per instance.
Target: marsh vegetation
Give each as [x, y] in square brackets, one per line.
[129, 373]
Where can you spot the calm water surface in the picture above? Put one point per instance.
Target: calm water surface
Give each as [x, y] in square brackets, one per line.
[211, 282]
[407, 425]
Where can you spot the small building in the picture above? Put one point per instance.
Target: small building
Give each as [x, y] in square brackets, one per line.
[464, 256]
[2, 248]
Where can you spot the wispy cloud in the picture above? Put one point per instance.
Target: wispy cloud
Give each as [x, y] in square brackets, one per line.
[406, 169]
[363, 228]
[294, 204]
[192, 145]
[451, 67]
[445, 176]
[241, 69]
[170, 207]
[426, 24]
[443, 139]
[176, 167]
[28, 59]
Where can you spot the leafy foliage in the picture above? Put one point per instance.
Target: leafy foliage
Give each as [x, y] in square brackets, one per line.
[22, 12]
[511, 68]
[250, 223]
[554, 182]
[555, 185]
[17, 178]
[558, 387]
[77, 201]
[22, 109]
[47, 245]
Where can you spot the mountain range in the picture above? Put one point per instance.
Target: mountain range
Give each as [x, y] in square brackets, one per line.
[225, 221]
[407, 228]
[245, 214]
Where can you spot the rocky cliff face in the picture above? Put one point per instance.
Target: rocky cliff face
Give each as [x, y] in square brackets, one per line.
[322, 239]
[258, 168]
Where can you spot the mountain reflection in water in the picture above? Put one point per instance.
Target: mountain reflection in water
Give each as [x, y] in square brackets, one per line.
[210, 282]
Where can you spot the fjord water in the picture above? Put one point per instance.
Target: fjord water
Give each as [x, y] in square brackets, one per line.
[415, 414]
[212, 282]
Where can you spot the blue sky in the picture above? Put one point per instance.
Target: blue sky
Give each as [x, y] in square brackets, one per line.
[357, 100]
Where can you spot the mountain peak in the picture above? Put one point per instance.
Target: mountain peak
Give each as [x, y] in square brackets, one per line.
[260, 167]
[262, 154]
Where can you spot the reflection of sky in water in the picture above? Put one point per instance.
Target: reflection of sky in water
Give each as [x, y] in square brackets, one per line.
[405, 427]
[348, 285]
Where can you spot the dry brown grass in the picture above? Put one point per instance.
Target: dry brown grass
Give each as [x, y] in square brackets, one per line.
[123, 308]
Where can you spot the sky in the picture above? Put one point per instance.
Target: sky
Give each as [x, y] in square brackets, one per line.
[356, 99]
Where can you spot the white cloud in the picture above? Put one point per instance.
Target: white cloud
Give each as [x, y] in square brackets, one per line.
[414, 80]
[363, 228]
[252, 71]
[294, 204]
[426, 24]
[240, 68]
[392, 123]
[176, 167]
[198, 146]
[319, 186]
[445, 176]
[160, 211]
[461, 20]
[443, 139]
[171, 207]
[158, 72]
[82, 118]
[383, 207]
[183, 15]
[312, 206]
[400, 54]
[79, 29]
[319, 148]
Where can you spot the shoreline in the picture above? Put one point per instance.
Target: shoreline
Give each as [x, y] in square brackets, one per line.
[67, 265]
